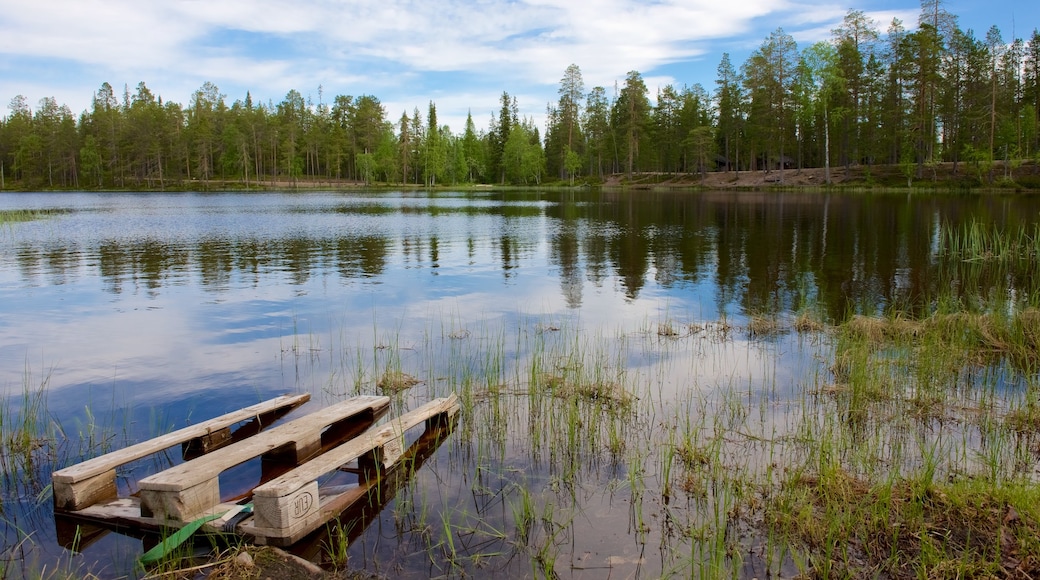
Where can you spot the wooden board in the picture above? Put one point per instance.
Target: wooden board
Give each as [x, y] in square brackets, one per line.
[349, 512]
[124, 515]
[288, 506]
[186, 491]
[83, 484]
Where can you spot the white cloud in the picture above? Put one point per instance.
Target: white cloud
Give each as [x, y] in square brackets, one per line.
[395, 49]
[267, 16]
[115, 33]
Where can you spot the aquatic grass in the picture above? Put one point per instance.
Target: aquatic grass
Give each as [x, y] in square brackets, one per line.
[910, 527]
[10, 217]
[907, 520]
[760, 326]
[984, 242]
[808, 323]
[19, 561]
[523, 517]
[967, 338]
[28, 441]
[336, 547]
[776, 469]
[394, 382]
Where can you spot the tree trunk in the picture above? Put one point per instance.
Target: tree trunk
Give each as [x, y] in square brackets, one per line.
[826, 148]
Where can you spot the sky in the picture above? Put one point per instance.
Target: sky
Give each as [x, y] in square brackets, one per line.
[459, 54]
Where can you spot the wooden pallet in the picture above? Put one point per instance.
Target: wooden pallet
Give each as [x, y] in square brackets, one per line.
[94, 480]
[184, 492]
[283, 513]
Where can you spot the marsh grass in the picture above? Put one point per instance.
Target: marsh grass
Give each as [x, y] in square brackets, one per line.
[393, 382]
[910, 527]
[760, 326]
[964, 338]
[808, 323]
[610, 395]
[915, 459]
[904, 448]
[14, 216]
[32, 445]
[28, 442]
[977, 241]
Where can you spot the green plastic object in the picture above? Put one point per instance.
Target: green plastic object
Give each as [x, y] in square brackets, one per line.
[171, 542]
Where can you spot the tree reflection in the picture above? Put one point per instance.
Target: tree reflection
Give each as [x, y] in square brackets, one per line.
[760, 253]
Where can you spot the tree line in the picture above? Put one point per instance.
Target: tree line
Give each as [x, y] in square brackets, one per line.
[913, 98]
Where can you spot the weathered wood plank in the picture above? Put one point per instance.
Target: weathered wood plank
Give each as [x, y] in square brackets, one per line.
[82, 484]
[327, 509]
[186, 490]
[124, 515]
[279, 505]
[356, 508]
[72, 496]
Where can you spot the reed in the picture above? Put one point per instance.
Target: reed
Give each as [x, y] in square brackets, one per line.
[880, 445]
[982, 242]
[28, 443]
[14, 216]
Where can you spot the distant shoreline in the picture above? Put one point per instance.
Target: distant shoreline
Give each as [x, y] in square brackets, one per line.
[942, 177]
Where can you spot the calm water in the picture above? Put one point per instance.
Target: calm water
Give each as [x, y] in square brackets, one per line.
[144, 312]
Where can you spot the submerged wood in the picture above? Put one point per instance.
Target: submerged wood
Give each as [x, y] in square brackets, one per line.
[88, 482]
[379, 451]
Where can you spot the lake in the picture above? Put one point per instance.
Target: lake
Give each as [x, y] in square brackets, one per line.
[137, 313]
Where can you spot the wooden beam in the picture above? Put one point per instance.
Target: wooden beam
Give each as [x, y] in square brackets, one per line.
[288, 506]
[85, 483]
[354, 509]
[184, 491]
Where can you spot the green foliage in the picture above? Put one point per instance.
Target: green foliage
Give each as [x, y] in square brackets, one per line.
[523, 158]
[862, 97]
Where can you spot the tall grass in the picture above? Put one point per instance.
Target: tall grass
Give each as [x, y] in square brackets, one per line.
[979, 241]
[895, 446]
[28, 443]
[10, 217]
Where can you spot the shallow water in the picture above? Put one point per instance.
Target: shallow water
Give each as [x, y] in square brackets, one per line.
[144, 312]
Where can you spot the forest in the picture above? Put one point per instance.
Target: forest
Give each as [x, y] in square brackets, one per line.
[912, 98]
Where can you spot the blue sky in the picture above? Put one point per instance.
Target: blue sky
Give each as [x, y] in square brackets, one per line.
[461, 54]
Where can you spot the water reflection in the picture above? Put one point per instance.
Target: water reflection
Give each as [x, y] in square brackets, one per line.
[760, 252]
[155, 310]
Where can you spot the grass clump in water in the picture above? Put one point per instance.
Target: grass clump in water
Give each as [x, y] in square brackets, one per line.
[979, 338]
[608, 394]
[918, 460]
[910, 527]
[759, 326]
[806, 323]
[27, 449]
[982, 242]
[393, 382]
[15, 216]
